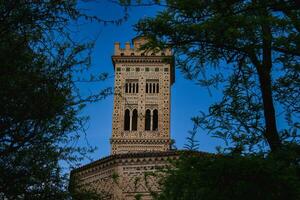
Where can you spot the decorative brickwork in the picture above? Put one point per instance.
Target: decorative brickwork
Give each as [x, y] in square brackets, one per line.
[142, 82]
[122, 176]
[140, 141]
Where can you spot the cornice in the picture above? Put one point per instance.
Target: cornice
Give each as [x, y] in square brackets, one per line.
[114, 159]
[130, 158]
[142, 59]
[139, 141]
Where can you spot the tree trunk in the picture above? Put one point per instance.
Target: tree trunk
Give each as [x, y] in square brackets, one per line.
[271, 133]
[264, 73]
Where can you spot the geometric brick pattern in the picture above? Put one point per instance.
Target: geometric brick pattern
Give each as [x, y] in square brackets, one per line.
[147, 70]
[122, 176]
[142, 90]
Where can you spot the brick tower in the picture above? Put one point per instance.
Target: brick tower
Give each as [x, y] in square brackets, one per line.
[140, 140]
[141, 116]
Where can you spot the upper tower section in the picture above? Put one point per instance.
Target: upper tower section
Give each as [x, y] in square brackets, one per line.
[132, 51]
[141, 117]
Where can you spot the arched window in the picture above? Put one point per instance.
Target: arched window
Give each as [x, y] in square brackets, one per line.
[127, 120]
[157, 88]
[146, 87]
[133, 87]
[134, 119]
[126, 87]
[148, 120]
[129, 87]
[153, 88]
[137, 87]
[155, 120]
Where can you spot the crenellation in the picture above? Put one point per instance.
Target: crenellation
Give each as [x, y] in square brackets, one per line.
[128, 47]
[135, 49]
[117, 48]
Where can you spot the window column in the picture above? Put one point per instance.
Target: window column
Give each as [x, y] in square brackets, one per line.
[151, 120]
[130, 121]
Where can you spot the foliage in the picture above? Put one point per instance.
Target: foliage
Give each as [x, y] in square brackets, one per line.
[234, 177]
[250, 49]
[40, 102]
[192, 143]
[80, 191]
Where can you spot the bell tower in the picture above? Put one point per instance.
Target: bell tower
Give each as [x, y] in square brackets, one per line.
[141, 116]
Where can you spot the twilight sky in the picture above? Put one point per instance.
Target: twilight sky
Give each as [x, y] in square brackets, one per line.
[187, 99]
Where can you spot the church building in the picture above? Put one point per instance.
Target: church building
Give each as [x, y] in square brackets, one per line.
[140, 141]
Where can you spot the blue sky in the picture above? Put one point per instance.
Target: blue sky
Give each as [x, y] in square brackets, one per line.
[187, 99]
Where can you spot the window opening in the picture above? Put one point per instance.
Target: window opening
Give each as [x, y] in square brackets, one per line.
[133, 87]
[127, 120]
[129, 87]
[126, 87]
[134, 119]
[153, 87]
[150, 87]
[147, 120]
[155, 120]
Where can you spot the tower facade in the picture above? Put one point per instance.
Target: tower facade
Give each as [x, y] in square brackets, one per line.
[141, 114]
[140, 140]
